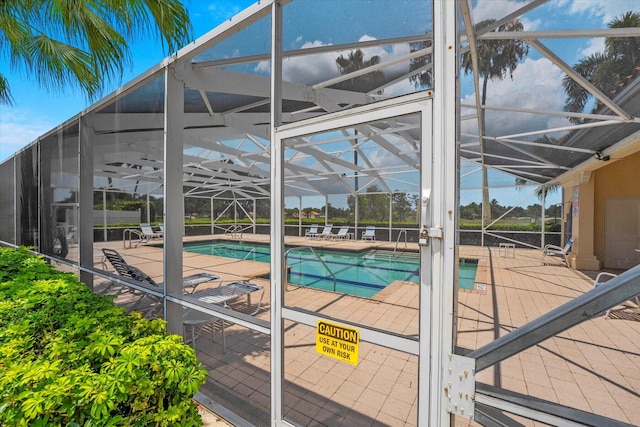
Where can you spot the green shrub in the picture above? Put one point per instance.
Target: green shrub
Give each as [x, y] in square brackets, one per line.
[69, 357]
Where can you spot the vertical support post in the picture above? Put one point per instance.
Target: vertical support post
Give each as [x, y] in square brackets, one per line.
[543, 219]
[173, 215]
[16, 223]
[356, 215]
[438, 296]
[104, 216]
[277, 225]
[211, 216]
[40, 247]
[326, 210]
[85, 199]
[255, 206]
[482, 226]
[235, 211]
[148, 210]
[299, 216]
[47, 220]
[390, 216]
[582, 255]
[356, 209]
[17, 185]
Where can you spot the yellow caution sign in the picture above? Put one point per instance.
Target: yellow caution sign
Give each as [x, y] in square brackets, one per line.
[338, 341]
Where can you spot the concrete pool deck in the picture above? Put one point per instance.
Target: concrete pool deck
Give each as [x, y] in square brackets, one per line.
[594, 366]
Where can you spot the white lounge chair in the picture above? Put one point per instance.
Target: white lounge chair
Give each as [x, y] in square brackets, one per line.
[326, 231]
[557, 251]
[148, 232]
[229, 292]
[343, 233]
[189, 283]
[312, 231]
[369, 233]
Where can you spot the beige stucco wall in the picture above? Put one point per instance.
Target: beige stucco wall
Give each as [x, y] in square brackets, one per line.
[619, 180]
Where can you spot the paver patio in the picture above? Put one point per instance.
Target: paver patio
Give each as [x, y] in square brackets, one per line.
[594, 366]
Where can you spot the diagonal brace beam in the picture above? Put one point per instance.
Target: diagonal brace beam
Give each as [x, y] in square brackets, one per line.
[490, 398]
[584, 307]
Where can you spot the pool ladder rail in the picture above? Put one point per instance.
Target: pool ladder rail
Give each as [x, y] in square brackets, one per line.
[235, 231]
[313, 251]
[403, 231]
[131, 238]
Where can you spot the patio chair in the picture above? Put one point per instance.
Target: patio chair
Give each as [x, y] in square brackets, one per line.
[189, 283]
[369, 233]
[599, 282]
[312, 231]
[194, 321]
[229, 292]
[557, 251]
[326, 232]
[343, 233]
[148, 232]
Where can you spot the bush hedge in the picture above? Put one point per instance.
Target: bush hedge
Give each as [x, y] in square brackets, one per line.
[69, 357]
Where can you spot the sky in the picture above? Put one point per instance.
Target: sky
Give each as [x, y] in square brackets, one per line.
[37, 111]
[535, 80]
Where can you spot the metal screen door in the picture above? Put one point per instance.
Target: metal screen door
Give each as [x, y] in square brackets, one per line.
[341, 350]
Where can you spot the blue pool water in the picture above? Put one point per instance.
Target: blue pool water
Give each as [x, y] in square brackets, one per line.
[356, 273]
[467, 274]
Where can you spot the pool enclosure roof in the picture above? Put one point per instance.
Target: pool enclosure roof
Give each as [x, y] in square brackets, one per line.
[385, 53]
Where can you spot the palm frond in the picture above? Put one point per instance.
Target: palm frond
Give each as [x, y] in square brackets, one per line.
[53, 62]
[85, 43]
[5, 91]
[605, 70]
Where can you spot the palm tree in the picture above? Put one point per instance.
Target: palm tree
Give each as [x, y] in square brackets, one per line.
[496, 60]
[424, 79]
[354, 62]
[605, 70]
[82, 43]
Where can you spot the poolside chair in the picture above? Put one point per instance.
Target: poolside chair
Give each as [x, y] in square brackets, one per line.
[326, 232]
[557, 251]
[343, 233]
[224, 294]
[369, 233]
[312, 231]
[148, 232]
[189, 283]
[599, 281]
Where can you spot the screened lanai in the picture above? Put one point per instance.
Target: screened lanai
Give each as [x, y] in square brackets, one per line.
[358, 114]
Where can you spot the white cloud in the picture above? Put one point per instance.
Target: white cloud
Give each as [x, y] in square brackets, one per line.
[531, 25]
[607, 10]
[603, 11]
[312, 68]
[223, 9]
[537, 84]
[317, 68]
[593, 46]
[491, 9]
[19, 127]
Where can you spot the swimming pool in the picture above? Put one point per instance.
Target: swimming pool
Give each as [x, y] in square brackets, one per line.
[356, 273]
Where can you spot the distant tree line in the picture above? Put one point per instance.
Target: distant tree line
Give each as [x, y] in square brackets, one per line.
[474, 211]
